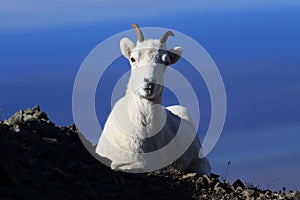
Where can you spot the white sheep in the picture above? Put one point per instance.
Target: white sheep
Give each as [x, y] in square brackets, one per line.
[139, 124]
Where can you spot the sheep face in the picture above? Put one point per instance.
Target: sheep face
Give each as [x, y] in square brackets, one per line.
[149, 60]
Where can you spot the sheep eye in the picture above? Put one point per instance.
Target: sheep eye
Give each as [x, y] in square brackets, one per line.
[132, 59]
[165, 59]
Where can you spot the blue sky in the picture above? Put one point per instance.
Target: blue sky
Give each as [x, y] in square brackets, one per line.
[255, 45]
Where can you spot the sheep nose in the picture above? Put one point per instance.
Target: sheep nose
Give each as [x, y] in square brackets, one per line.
[149, 85]
[149, 88]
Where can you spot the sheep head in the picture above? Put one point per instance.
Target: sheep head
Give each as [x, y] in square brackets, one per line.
[149, 59]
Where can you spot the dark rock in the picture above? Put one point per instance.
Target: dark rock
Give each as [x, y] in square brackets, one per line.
[6, 178]
[189, 175]
[215, 175]
[42, 161]
[36, 108]
[17, 118]
[238, 183]
[28, 116]
[50, 140]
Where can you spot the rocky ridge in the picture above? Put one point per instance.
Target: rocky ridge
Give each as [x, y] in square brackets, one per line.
[42, 161]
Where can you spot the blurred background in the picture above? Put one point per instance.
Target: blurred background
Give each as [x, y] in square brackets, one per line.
[255, 45]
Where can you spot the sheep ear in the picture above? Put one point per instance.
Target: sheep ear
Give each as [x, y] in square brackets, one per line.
[175, 54]
[126, 46]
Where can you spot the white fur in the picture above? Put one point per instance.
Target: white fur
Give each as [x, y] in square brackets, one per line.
[137, 116]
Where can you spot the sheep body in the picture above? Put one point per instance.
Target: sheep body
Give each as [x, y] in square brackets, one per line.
[138, 123]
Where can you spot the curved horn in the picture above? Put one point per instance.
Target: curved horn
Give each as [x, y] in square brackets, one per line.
[165, 36]
[138, 32]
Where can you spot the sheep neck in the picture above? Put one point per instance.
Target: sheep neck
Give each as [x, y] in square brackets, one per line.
[147, 116]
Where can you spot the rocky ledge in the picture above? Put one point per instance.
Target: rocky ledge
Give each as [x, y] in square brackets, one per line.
[42, 161]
